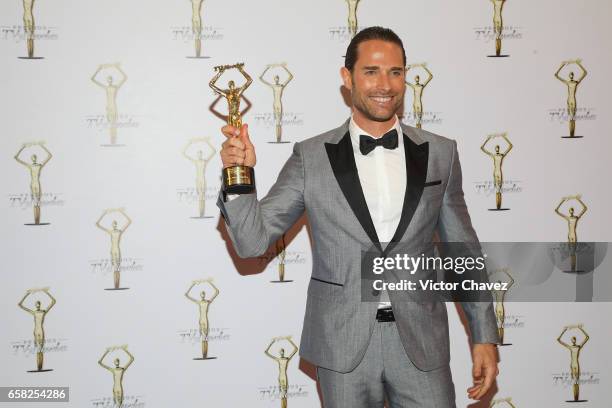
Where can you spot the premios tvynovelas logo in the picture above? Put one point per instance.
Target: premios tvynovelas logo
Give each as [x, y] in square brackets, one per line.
[573, 338]
[572, 112]
[122, 360]
[30, 31]
[347, 32]
[196, 32]
[497, 184]
[498, 31]
[114, 222]
[277, 352]
[208, 292]
[113, 79]
[34, 165]
[32, 303]
[277, 118]
[419, 116]
[199, 151]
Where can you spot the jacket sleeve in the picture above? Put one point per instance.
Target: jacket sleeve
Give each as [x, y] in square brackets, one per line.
[455, 226]
[253, 225]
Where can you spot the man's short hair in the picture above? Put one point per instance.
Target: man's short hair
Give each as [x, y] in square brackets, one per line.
[370, 33]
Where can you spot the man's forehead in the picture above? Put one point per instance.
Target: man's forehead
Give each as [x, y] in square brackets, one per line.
[379, 52]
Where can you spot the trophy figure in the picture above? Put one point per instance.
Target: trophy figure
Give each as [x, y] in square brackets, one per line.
[283, 362]
[39, 320]
[498, 159]
[572, 87]
[500, 401]
[29, 27]
[498, 26]
[111, 88]
[277, 88]
[35, 169]
[500, 310]
[352, 16]
[281, 254]
[203, 305]
[200, 163]
[115, 234]
[572, 223]
[237, 179]
[417, 90]
[575, 350]
[117, 372]
[196, 25]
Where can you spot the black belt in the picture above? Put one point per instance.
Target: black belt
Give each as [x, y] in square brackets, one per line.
[385, 314]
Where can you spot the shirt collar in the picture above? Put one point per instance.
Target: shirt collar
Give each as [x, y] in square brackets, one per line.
[355, 131]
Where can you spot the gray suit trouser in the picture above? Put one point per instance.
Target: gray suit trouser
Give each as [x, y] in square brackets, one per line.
[386, 373]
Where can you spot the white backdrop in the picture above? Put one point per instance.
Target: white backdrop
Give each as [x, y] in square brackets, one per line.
[165, 102]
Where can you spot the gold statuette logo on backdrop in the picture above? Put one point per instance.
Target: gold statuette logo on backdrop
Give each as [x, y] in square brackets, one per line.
[572, 223]
[277, 91]
[352, 16]
[499, 295]
[281, 254]
[111, 87]
[200, 163]
[39, 315]
[501, 402]
[283, 362]
[35, 168]
[574, 349]
[115, 234]
[196, 26]
[498, 159]
[29, 27]
[417, 91]
[572, 87]
[117, 371]
[203, 306]
[498, 26]
[237, 179]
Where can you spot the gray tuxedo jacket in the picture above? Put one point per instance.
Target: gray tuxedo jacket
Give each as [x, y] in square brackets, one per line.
[320, 178]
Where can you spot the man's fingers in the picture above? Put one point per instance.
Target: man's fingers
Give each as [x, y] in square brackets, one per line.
[233, 142]
[230, 131]
[244, 136]
[490, 373]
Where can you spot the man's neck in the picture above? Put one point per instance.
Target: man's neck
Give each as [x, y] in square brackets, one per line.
[374, 128]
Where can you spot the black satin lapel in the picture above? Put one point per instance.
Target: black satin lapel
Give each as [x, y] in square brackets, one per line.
[417, 157]
[342, 160]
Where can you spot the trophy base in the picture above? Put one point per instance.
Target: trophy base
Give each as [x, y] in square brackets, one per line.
[498, 56]
[281, 142]
[572, 137]
[281, 281]
[505, 344]
[576, 400]
[197, 217]
[116, 288]
[205, 358]
[499, 209]
[44, 370]
[34, 58]
[200, 57]
[112, 145]
[576, 272]
[239, 180]
[40, 223]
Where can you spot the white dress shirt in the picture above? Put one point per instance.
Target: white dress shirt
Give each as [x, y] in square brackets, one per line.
[382, 174]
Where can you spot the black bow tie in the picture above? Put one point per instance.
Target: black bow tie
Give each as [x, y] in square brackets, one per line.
[368, 143]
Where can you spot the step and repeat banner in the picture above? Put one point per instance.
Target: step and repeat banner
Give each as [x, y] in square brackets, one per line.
[119, 279]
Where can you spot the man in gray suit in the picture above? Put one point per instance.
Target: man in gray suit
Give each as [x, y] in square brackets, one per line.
[372, 182]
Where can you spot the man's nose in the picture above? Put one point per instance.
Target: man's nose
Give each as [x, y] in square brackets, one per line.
[384, 82]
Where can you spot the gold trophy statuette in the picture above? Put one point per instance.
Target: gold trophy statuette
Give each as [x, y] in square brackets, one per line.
[237, 179]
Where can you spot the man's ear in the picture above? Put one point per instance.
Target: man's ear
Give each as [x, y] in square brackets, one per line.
[346, 78]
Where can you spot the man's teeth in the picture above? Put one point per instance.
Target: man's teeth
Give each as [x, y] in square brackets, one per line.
[381, 99]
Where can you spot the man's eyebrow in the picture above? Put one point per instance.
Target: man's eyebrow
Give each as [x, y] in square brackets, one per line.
[371, 67]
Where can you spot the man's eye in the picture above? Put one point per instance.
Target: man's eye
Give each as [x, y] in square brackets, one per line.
[369, 72]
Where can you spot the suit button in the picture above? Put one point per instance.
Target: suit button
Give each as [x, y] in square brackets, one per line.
[375, 292]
